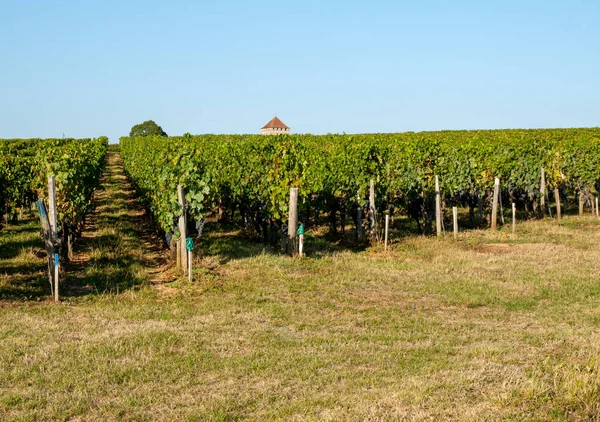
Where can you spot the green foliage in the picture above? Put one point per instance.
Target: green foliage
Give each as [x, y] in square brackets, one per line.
[148, 128]
[3, 184]
[156, 166]
[27, 163]
[255, 172]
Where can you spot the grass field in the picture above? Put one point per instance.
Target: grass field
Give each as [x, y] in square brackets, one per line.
[492, 327]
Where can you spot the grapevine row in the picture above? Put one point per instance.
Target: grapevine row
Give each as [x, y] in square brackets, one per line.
[27, 163]
[252, 174]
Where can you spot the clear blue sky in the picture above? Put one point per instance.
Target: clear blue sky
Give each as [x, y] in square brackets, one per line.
[87, 68]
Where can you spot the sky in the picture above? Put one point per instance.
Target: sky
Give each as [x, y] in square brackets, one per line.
[89, 68]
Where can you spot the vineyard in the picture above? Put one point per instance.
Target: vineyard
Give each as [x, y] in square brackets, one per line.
[25, 165]
[490, 326]
[251, 175]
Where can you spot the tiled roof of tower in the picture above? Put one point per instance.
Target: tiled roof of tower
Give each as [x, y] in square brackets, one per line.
[275, 123]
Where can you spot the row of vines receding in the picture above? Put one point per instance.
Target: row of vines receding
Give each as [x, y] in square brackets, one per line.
[250, 175]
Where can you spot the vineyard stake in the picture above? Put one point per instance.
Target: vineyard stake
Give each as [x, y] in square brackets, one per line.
[189, 246]
[580, 203]
[495, 204]
[182, 230]
[514, 217]
[543, 192]
[597, 212]
[52, 214]
[56, 263]
[438, 207]
[455, 221]
[292, 222]
[52, 207]
[189, 266]
[372, 215]
[178, 258]
[501, 209]
[387, 227]
[359, 231]
[557, 197]
[300, 234]
[45, 224]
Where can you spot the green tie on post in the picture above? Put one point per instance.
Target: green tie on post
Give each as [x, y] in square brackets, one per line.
[189, 245]
[300, 233]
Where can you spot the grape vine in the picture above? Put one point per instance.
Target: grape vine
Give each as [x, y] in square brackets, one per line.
[252, 174]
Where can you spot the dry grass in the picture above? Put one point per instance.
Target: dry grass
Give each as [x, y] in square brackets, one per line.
[492, 327]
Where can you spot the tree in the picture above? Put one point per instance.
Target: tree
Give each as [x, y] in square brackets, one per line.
[147, 128]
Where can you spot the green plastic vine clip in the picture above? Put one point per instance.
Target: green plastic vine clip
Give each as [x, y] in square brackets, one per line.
[189, 244]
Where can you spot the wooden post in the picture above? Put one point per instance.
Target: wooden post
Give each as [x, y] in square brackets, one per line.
[372, 208]
[52, 207]
[359, 233]
[45, 224]
[495, 204]
[53, 218]
[438, 207]
[455, 221]
[189, 257]
[514, 217]
[597, 212]
[557, 199]
[387, 228]
[580, 202]
[543, 193]
[56, 262]
[293, 222]
[182, 230]
[70, 236]
[359, 230]
[301, 245]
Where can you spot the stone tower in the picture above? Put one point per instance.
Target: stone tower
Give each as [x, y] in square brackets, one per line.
[275, 127]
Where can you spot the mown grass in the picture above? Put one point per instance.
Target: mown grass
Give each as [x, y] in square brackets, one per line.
[491, 327]
[23, 265]
[113, 256]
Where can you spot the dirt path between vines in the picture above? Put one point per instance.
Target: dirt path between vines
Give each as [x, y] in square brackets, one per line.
[120, 247]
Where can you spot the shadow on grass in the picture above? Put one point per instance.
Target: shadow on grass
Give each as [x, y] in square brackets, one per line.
[27, 286]
[105, 276]
[23, 262]
[12, 249]
[22, 226]
[231, 242]
[23, 269]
